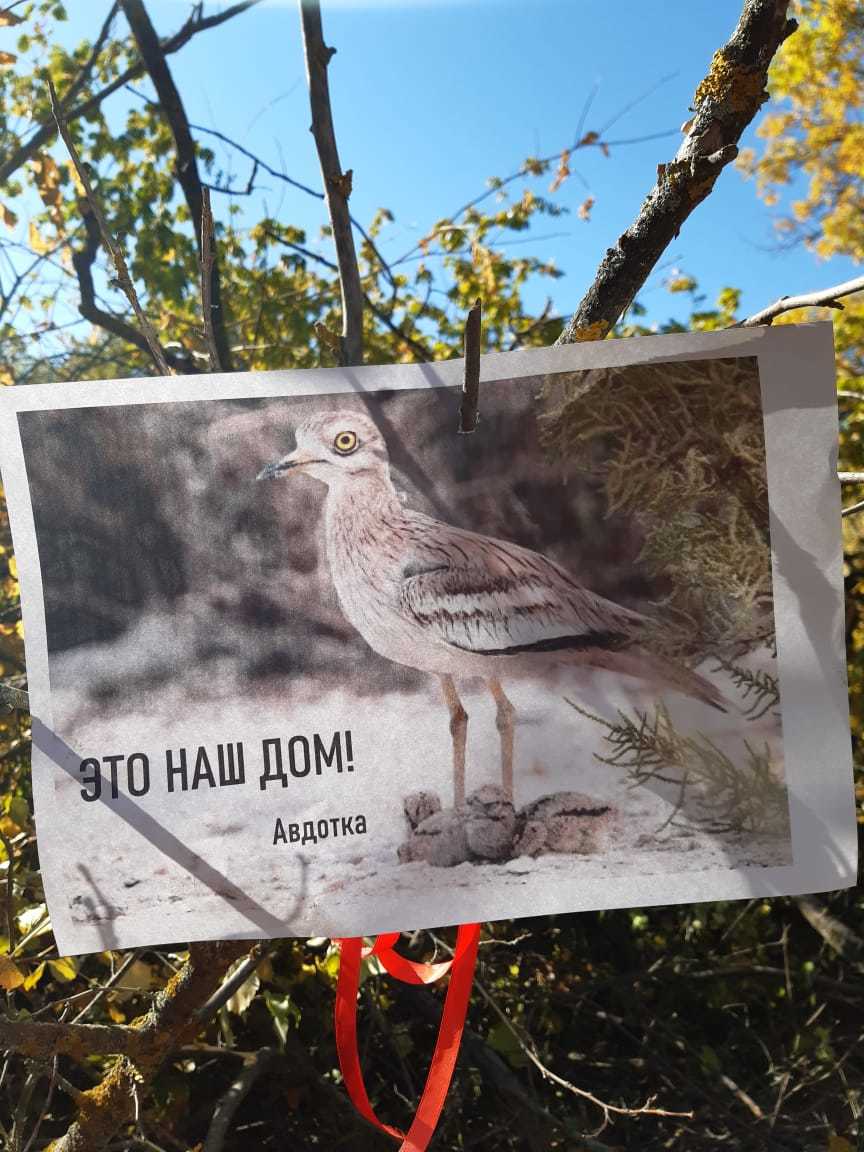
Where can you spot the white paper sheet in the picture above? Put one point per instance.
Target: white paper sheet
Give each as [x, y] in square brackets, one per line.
[180, 605]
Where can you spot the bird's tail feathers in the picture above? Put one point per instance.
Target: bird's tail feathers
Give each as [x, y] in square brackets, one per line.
[671, 675]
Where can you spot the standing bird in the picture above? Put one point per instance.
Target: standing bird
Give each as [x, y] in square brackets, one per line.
[455, 603]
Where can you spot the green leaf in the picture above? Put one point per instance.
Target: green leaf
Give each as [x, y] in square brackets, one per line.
[502, 1040]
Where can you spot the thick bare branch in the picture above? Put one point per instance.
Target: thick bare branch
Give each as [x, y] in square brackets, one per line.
[186, 166]
[337, 184]
[170, 1023]
[45, 132]
[42, 1041]
[214, 336]
[13, 698]
[725, 103]
[113, 249]
[824, 298]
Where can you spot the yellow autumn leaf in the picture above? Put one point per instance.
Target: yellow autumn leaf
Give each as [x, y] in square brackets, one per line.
[37, 241]
[34, 977]
[7, 58]
[47, 179]
[13, 567]
[11, 976]
[63, 969]
[115, 1014]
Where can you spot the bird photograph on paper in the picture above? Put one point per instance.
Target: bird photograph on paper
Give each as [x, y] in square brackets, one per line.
[362, 667]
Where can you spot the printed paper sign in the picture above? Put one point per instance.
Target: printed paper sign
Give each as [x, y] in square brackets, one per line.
[305, 661]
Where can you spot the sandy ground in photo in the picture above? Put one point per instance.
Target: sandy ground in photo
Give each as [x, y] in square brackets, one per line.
[130, 890]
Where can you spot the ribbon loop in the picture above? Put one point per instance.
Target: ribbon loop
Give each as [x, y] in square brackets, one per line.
[461, 968]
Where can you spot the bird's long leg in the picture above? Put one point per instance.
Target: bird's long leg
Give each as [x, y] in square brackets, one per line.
[459, 732]
[504, 721]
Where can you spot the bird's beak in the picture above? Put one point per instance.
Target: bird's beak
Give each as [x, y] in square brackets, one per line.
[293, 462]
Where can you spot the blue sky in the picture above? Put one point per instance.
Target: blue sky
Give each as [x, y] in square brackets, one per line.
[430, 99]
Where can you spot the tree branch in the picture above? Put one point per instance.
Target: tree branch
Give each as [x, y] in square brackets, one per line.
[337, 184]
[45, 132]
[42, 1041]
[223, 1113]
[13, 698]
[214, 334]
[114, 250]
[824, 298]
[186, 166]
[725, 103]
[170, 1023]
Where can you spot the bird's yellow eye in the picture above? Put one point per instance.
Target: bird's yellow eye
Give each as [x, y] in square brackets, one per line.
[345, 443]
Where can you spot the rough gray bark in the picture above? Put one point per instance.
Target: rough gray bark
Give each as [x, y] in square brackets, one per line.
[726, 101]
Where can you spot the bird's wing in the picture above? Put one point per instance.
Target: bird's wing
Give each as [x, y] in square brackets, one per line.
[491, 597]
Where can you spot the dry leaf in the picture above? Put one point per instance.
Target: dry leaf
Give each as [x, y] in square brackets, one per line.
[139, 977]
[9, 217]
[11, 976]
[47, 179]
[563, 171]
[584, 209]
[588, 138]
[244, 995]
[9, 19]
[7, 58]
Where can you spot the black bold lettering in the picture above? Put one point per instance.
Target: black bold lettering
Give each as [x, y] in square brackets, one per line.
[203, 771]
[91, 778]
[144, 787]
[304, 768]
[178, 769]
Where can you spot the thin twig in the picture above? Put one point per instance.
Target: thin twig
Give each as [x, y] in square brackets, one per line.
[646, 1109]
[226, 1108]
[44, 134]
[726, 102]
[824, 298]
[170, 1024]
[110, 983]
[10, 889]
[853, 508]
[236, 980]
[337, 184]
[114, 250]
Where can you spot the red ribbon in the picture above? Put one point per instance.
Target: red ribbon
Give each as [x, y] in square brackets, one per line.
[449, 1034]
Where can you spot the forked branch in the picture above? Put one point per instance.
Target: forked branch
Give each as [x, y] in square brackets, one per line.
[113, 249]
[188, 176]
